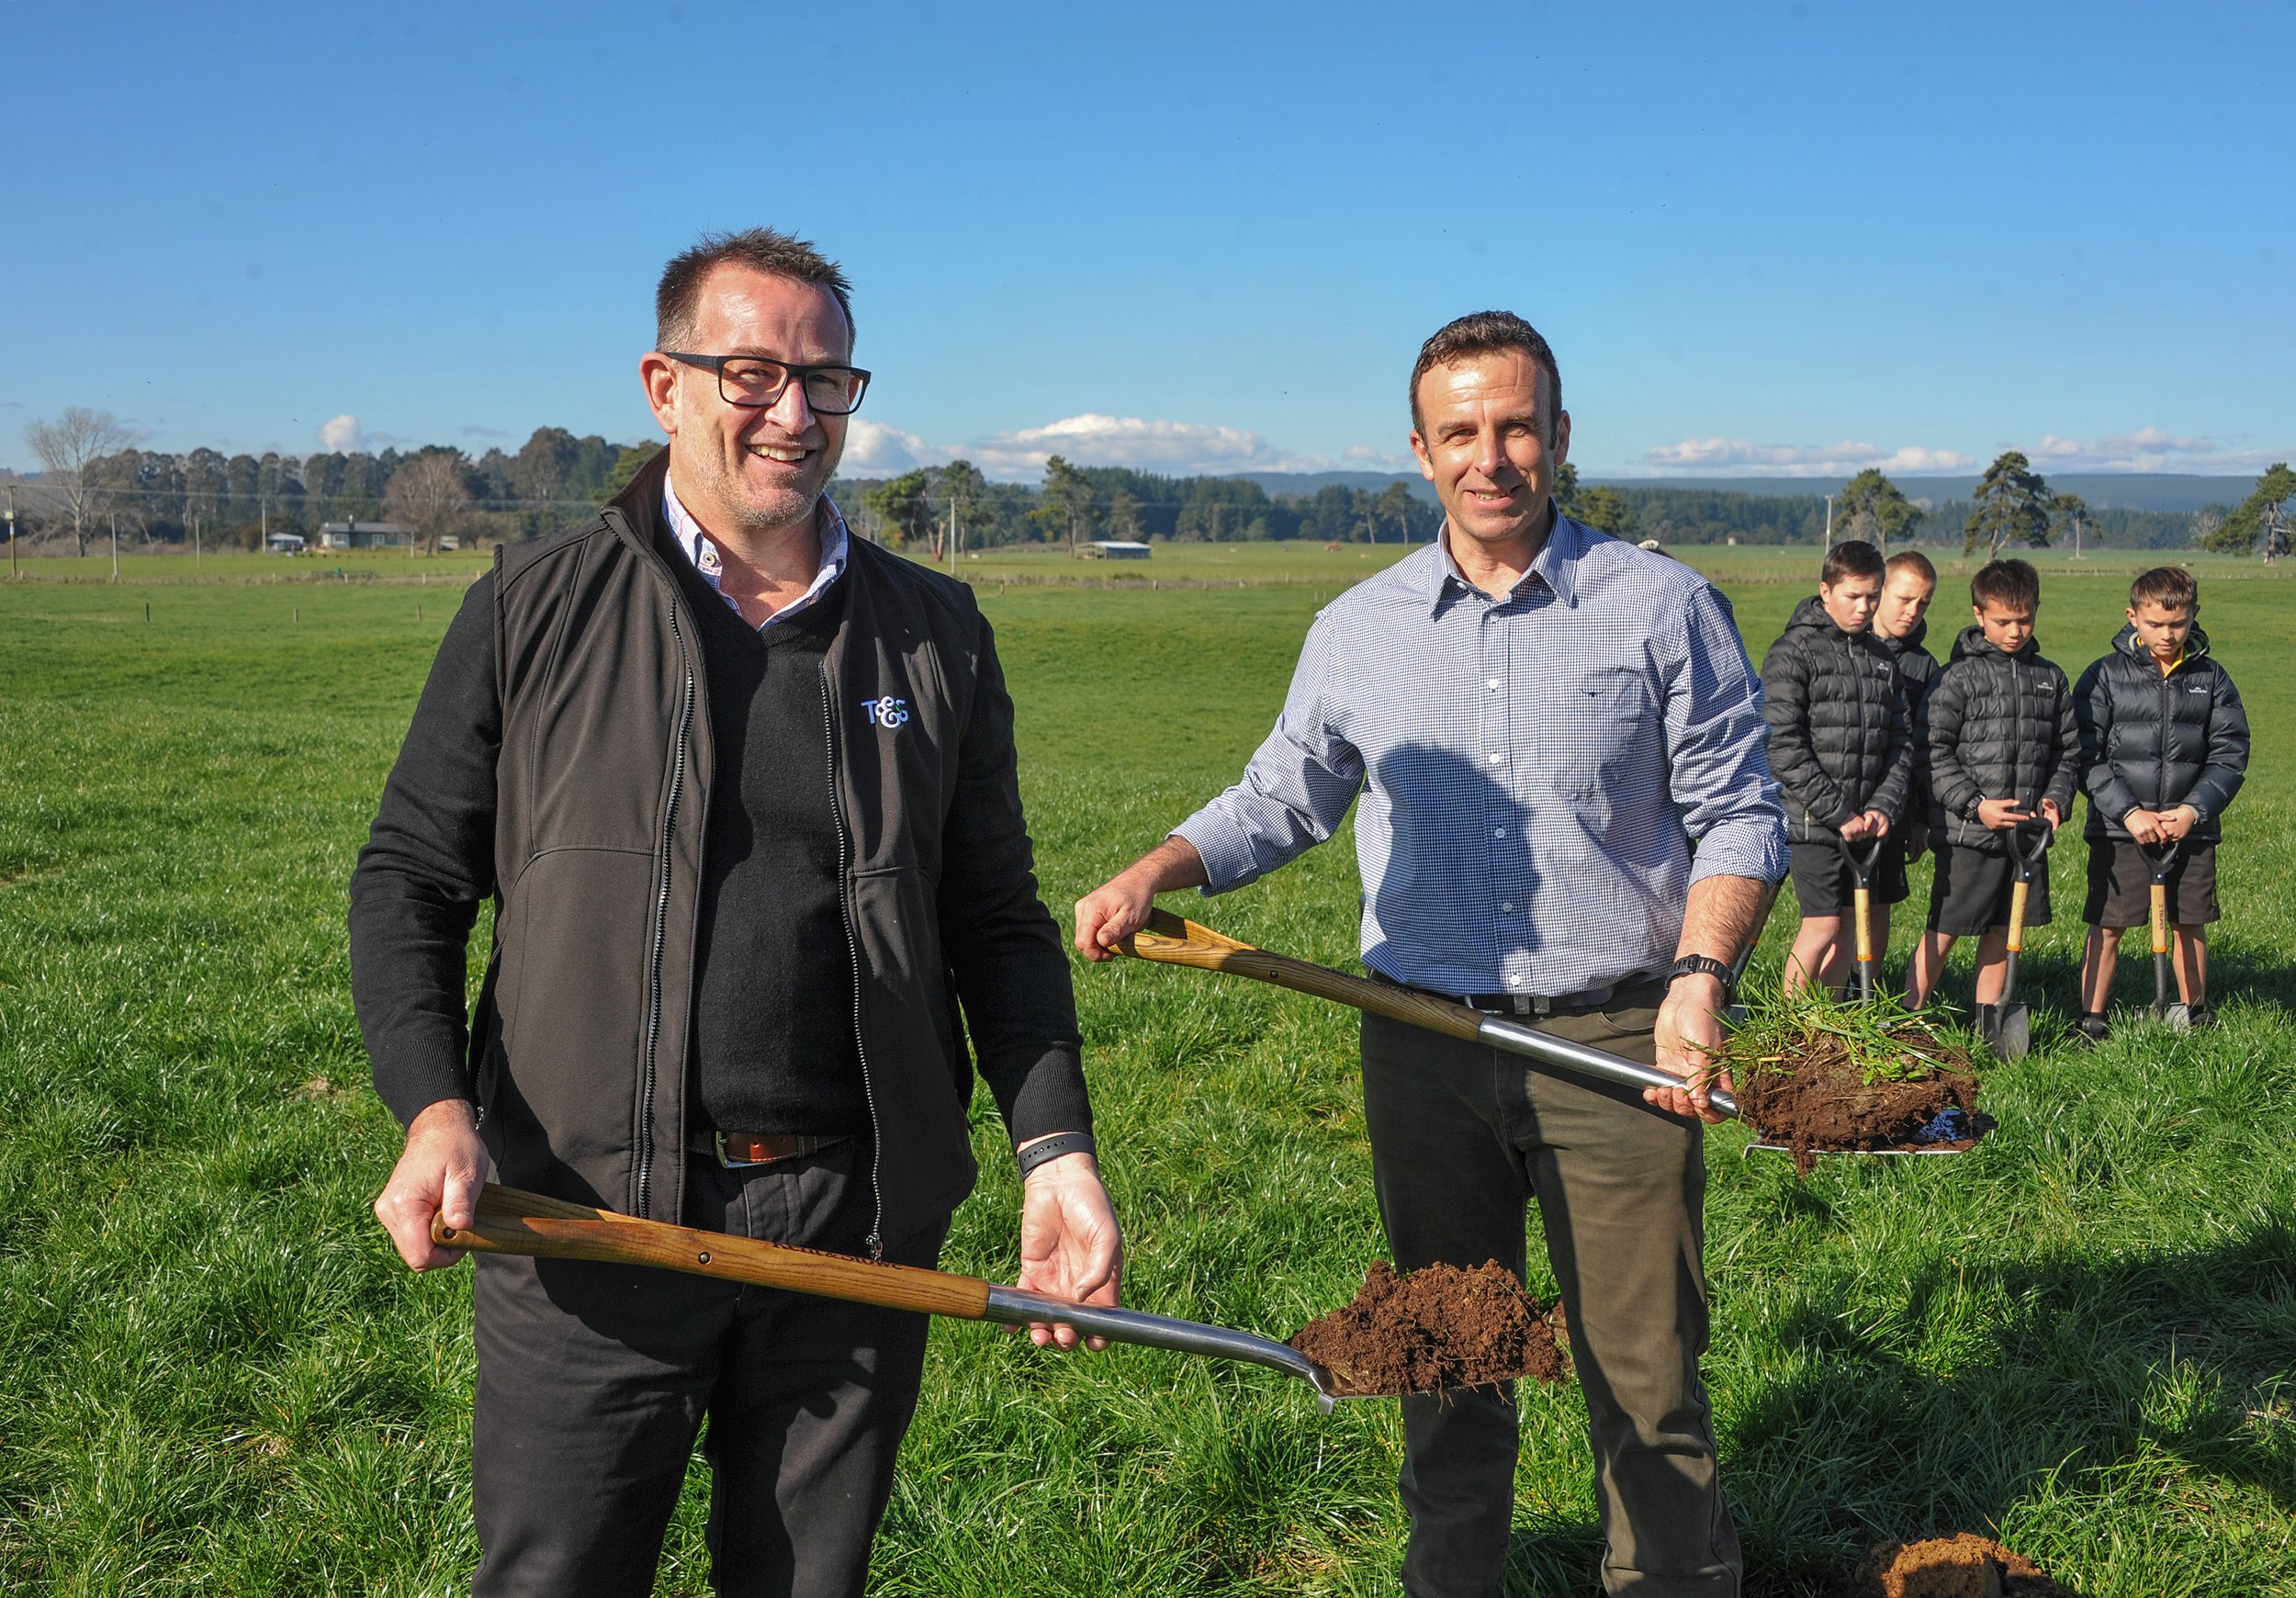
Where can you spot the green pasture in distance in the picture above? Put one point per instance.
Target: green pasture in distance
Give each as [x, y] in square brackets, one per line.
[2078, 1336]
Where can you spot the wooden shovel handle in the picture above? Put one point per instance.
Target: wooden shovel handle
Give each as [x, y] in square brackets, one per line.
[1863, 897]
[511, 1221]
[1172, 940]
[2017, 916]
[2160, 918]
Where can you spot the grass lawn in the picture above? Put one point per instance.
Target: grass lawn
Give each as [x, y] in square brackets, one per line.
[219, 1381]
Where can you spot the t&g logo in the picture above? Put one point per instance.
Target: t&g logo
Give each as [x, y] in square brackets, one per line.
[887, 712]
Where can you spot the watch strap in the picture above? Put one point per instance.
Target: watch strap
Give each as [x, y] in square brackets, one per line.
[1046, 1150]
[1705, 966]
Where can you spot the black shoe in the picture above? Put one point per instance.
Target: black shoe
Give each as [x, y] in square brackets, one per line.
[2091, 1030]
[2199, 1016]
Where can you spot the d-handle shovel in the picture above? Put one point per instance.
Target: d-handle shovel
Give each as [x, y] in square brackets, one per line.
[1861, 864]
[2007, 1025]
[1171, 940]
[509, 1221]
[2179, 1015]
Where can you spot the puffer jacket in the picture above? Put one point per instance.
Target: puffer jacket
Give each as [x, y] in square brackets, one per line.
[2001, 726]
[2149, 742]
[1840, 736]
[1917, 673]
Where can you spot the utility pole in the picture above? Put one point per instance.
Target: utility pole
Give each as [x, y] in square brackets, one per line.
[115, 546]
[12, 572]
[195, 546]
[1830, 520]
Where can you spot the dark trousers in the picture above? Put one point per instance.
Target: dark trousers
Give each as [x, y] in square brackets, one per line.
[594, 1381]
[1462, 1137]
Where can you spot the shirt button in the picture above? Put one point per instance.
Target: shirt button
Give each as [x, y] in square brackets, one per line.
[1498, 832]
[1507, 904]
[1491, 683]
[1496, 757]
[1518, 982]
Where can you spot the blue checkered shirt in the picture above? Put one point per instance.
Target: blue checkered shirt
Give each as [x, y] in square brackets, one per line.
[1534, 768]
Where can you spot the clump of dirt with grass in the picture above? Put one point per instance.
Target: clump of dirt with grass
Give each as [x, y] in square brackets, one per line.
[1962, 1566]
[1438, 1327]
[1814, 1073]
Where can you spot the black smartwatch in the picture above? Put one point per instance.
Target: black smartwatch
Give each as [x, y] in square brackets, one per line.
[1705, 966]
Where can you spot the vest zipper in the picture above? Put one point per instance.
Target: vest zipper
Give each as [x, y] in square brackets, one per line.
[875, 1239]
[2160, 779]
[661, 918]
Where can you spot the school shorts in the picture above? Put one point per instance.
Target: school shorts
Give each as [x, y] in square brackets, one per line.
[2121, 886]
[1823, 882]
[1970, 890]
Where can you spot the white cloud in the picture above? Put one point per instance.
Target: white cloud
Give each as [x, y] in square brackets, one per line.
[874, 450]
[2150, 449]
[1742, 457]
[340, 434]
[1371, 459]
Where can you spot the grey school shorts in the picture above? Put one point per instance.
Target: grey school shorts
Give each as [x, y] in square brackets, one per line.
[2121, 886]
[1971, 891]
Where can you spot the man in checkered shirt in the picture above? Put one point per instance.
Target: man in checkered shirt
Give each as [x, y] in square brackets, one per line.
[1540, 721]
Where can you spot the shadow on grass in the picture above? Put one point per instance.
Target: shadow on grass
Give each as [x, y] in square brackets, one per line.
[2081, 1368]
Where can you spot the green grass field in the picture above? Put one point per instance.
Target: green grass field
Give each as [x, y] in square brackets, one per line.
[219, 1381]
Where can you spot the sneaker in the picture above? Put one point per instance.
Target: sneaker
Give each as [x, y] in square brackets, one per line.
[2091, 1030]
[2200, 1016]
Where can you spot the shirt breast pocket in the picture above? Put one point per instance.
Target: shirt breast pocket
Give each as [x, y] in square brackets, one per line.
[1599, 737]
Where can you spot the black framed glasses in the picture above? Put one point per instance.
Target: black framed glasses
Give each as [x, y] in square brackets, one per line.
[753, 382]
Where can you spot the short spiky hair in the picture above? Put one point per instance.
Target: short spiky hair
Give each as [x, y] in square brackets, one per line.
[1483, 333]
[1913, 560]
[2170, 587]
[1852, 558]
[2014, 585]
[761, 249]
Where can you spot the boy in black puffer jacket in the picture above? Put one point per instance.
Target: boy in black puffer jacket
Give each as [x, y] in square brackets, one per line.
[2003, 751]
[2164, 749]
[1841, 748]
[1900, 625]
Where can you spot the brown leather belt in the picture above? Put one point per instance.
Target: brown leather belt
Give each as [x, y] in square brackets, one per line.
[736, 1150]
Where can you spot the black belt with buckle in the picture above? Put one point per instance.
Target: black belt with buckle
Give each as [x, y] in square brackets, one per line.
[1537, 1004]
[738, 1151]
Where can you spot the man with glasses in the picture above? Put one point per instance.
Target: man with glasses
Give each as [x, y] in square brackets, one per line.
[742, 790]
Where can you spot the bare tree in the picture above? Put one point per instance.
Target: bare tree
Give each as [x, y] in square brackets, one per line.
[66, 447]
[428, 494]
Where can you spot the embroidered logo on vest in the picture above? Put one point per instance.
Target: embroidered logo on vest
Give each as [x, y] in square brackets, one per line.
[887, 712]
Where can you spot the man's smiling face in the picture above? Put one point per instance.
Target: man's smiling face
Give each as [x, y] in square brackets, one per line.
[1486, 443]
[751, 470]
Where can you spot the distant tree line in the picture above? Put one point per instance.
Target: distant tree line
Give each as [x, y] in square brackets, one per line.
[94, 478]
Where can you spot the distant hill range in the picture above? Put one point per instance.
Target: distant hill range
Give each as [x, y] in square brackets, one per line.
[2103, 490]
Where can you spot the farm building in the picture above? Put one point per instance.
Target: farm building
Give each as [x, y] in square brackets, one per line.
[283, 543]
[1115, 549]
[364, 534]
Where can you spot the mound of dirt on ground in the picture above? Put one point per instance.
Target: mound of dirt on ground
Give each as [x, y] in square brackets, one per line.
[1816, 1098]
[1962, 1566]
[1434, 1328]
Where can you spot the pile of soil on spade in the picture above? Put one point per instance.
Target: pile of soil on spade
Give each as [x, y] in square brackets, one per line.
[1815, 1097]
[1962, 1566]
[1434, 1328]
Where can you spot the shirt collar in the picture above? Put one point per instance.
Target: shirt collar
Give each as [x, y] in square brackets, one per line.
[1556, 565]
[703, 551]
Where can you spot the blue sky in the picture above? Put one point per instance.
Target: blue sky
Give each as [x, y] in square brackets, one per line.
[1769, 238]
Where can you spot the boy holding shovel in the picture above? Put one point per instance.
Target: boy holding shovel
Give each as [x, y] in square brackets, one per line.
[2164, 749]
[1841, 748]
[2004, 748]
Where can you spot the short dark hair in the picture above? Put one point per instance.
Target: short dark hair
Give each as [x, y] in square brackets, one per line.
[1852, 558]
[1483, 333]
[2170, 586]
[2014, 585]
[1913, 560]
[762, 249]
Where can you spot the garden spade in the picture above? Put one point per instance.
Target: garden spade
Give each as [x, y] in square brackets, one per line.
[2179, 1015]
[1171, 940]
[2007, 1025]
[509, 1221]
[1861, 864]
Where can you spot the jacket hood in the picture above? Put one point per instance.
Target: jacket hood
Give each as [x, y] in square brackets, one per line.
[1911, 641]
[1972, 641]
[1810, 616]
[2196, 645]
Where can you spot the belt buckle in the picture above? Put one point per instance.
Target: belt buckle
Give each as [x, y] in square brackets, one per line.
[728, 1160]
